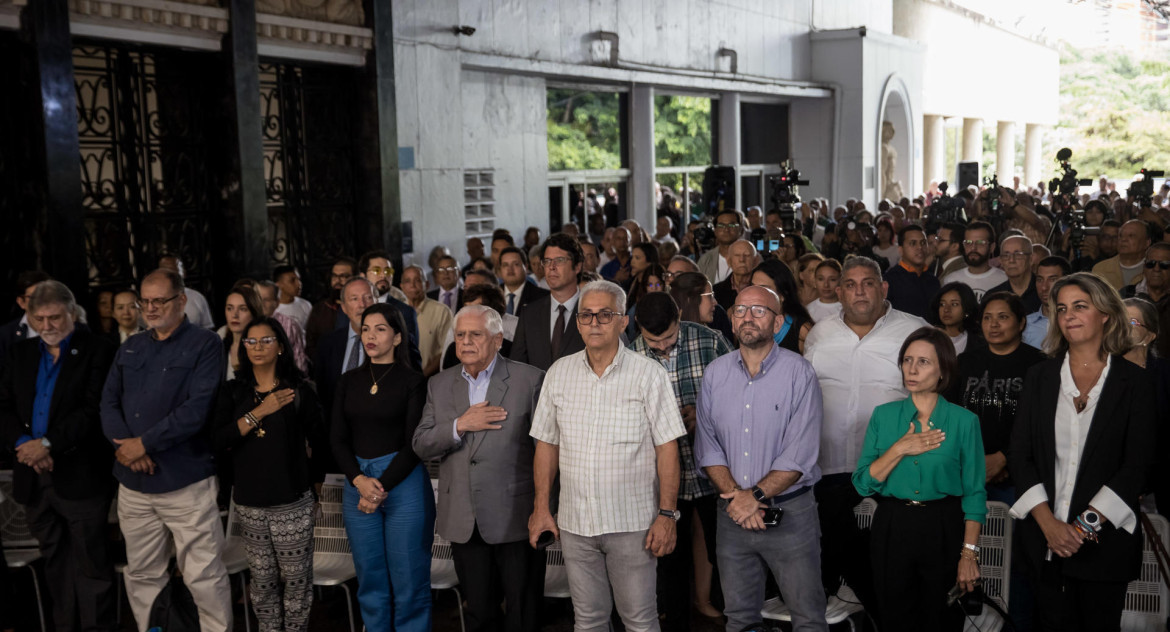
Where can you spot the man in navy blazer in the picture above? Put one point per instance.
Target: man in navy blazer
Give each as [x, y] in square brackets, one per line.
[519, 290]
[50, 401]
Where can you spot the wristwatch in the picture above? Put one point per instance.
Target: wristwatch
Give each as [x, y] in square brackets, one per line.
[673, 514]
[759, 494]
[45, 442]
[1092, 518]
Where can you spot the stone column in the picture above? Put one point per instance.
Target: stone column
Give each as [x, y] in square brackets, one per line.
[1033, 135]
[972, 140]
[729, 132]
[934, 149]
[1005, 152]
[640, 189]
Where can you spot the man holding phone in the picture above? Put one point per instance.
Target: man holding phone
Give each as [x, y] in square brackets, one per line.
[758, 439]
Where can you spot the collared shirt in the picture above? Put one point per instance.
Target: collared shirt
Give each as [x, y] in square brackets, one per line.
[570, 305]
[434, 323]
[48, 370]
[954, 468]
[162, 391]
[1030, 297]
[696, 348]
[1072, 428]
[856, 376]
[607, 429]
[754, 425]
[514, 297]
[1036, 329]
[29, 332]
[477, 388]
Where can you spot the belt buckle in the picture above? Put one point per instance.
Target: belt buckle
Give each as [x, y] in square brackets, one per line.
[915, 503]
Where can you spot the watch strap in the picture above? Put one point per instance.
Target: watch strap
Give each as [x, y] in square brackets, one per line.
[759, 494]
[672, 514]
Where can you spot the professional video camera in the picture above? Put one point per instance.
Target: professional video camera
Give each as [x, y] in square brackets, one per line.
[704, 237]
[1065, 204]
[991, 185]
[944, 209]
[785, 196]
[1143, 189]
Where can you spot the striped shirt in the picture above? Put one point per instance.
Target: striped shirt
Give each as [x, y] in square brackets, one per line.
[607, 428]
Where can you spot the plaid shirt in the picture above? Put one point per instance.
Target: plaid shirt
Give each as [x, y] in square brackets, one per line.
[697, 346]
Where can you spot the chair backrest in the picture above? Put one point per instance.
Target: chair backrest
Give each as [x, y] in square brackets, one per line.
[333, 489]
[234, 529]
[329, 536]
[13, 521]
[1147, 599]
[553, 556]
[864, 512]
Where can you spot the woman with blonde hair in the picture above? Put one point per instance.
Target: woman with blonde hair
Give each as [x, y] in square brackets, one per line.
[1080, 452]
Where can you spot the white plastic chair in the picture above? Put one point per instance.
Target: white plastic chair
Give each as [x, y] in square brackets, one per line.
[21, 549]
[995, 566]
[443, 576]
[332, 558]
[556, 578]
[235, 559]
[1147, 600]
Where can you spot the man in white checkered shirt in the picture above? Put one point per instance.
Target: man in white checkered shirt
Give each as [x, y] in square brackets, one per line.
[608, 420]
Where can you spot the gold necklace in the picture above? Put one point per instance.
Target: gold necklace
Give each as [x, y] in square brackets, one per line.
[374, 388]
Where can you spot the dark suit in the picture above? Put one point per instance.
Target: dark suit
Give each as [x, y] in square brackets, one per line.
[1117, 453]
[533, 342]
[10, 334]
[68, 507]
[530, 294]
[486, 492]
[435, 293]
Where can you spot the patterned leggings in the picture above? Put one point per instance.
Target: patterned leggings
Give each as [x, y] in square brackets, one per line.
[279, 544]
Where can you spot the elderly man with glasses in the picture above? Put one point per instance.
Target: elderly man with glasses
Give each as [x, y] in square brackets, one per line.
[154, 409]
[608, 421]
[1015, 255]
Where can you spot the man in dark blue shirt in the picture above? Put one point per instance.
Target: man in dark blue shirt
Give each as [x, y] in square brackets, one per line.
[911, 285]
[50, 391]
[155, 409]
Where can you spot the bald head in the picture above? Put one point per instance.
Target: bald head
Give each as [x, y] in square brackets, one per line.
[741, 255]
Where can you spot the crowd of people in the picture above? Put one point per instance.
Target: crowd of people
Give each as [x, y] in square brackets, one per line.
[683, 410]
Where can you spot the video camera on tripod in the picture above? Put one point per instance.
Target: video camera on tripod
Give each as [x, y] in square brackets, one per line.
[1064, 198]
[944, 209]
[1141, 190]
[785, 196]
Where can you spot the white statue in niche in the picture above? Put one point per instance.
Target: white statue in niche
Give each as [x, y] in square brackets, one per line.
[891, 188]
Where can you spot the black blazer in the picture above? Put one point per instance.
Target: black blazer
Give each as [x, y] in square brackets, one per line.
[1118, 452]
[532, 293]
[534, 333]
[82, 457]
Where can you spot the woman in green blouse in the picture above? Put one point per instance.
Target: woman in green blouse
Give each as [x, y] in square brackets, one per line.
[922, 460]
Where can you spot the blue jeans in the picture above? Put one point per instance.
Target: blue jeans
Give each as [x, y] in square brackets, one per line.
[792, 550]
[392, 551]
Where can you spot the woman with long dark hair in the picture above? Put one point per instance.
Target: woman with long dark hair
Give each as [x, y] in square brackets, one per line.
[955, 310]
[1081, 448]
[263, 419]
[776, 276]
[241, 307]
[388, 504]
[642, 256]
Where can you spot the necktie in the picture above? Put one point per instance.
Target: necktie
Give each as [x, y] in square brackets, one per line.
[447, 300]
[354, 353]
[557, 332]
[511, 302]
[24, 330]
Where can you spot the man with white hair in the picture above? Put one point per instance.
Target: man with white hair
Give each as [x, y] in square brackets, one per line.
[608, 422]
[1015, 257]
[476, 420]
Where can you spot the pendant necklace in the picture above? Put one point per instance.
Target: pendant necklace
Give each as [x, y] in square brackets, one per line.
[374, 388]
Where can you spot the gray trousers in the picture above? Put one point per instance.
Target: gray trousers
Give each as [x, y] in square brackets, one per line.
[791, 550]
[614, 564]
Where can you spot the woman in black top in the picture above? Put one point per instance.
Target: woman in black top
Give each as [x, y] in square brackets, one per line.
[389, 506]
[263, 419]
[775, 275]
[955, 310]
[990, 381]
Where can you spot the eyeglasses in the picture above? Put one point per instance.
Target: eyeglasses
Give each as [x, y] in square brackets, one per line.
[710, 294]
[341, 277]
[387, 271]
[264, 342]
[1011, 256]
[1136, 323]
[555, 262]
[603, 318]
[1162, 265]
[758, 311]
[157, 303]
[669, 276]
[447, 269]
[975, 242]
[727, 226]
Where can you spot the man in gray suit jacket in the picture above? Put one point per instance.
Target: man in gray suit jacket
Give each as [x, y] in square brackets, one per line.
[476, 420]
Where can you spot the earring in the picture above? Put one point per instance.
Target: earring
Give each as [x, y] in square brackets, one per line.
[279, 353]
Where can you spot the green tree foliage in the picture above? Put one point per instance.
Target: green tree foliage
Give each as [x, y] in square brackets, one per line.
[1114, 114]
[682, 131]
[583, 130]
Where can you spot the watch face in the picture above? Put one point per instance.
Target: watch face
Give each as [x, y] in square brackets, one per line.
[1091, 517]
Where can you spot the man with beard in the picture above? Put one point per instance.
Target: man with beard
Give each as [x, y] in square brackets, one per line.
[947, 249]
[762, 456]
[327, 315]
[375, 265]
[978, 244]
[856, 360]
[1015, 255]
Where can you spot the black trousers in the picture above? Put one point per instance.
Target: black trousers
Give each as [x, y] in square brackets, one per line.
[676, 570]
[512, 572]
[915, 555]
[844, 545]
[1064, 604]
[78, 569]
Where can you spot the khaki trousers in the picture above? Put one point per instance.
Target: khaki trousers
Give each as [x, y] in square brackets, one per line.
[190, 517]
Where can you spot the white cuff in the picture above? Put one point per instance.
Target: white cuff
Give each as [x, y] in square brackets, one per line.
[1028, 501]
[1114, 509]
[455, 431]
